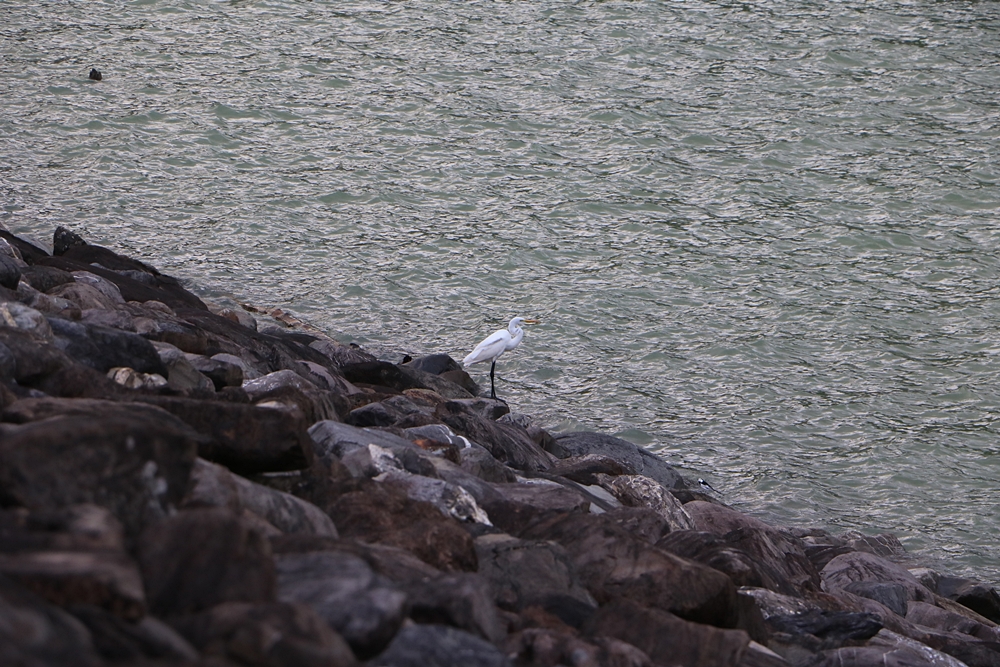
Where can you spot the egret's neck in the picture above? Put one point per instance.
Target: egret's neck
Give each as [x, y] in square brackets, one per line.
[516, 334]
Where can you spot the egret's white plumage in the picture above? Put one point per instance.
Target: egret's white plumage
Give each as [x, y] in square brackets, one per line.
[496, 344]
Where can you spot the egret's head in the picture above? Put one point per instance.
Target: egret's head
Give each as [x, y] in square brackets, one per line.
[518, 321]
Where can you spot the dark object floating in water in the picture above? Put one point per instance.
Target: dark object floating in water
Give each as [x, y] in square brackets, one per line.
[95, 74]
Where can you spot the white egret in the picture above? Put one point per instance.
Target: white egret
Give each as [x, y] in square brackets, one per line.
[496, 344]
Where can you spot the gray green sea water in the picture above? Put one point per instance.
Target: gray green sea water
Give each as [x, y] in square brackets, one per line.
[762, 237]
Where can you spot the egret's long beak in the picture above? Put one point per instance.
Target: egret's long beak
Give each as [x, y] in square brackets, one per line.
[532, 321]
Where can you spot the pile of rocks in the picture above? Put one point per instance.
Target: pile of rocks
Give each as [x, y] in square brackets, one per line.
[181, 486]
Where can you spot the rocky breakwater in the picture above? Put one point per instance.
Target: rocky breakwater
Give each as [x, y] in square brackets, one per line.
[182, 486]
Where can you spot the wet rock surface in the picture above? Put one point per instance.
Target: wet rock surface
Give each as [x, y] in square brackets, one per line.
[181, 484]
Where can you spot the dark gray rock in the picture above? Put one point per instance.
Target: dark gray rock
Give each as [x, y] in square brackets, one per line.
[931, 616]
[525, 573]
[104, 348]
[133, 459]
[832, 628]
[44, 278]
[462, 600]
[214, 486]
[977, 596]
[64, 239]
[10, 272]
[365, 608]
[434, 364]
[440, 646]
[507, 443]
[35, 633]
[629, 455]
[860, 566]
[892, 595]
[221, 373]
[121, 641]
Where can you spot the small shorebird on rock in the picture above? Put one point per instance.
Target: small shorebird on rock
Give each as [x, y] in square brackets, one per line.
[496, 344]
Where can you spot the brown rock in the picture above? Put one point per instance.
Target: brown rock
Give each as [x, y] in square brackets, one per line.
[516, 505]
[613, 563]
[585, 469]
[105, 579]
[199, 558]
[83, 296]
[666, 639]
[778, 554]
[383, 514]
[642, 522]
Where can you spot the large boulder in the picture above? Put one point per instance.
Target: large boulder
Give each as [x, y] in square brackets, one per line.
[215, 486]
[245, 438]
[276, 634]
[104, 348]
[667, 639]
[859, 566]
[526, 573]
[200, 558]
[383, 514]
[508, 443]
[613, 563]
[629, 455]
[133, 459]
[780, 557]
[364, 607]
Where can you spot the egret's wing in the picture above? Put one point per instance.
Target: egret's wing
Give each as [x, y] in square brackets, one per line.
[491, 348]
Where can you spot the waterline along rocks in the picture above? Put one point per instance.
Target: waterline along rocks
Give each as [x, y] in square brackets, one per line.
[181, 486]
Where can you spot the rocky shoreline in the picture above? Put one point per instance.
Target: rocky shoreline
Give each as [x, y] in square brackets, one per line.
[184, 485]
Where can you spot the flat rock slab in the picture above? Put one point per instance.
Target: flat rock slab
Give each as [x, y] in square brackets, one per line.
[515, 505]
[245, 438]
[629, 455]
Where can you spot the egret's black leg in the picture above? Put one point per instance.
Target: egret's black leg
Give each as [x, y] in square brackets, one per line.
[493, 386]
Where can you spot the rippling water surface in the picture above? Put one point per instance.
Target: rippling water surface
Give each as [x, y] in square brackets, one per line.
[762, 237]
